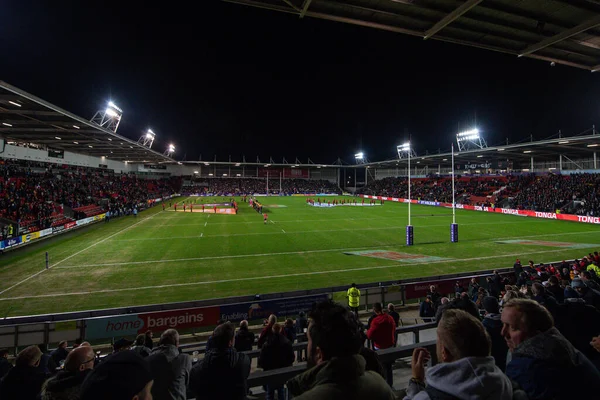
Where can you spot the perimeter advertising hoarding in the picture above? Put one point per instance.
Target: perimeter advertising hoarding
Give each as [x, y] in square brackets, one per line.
[262, 309]
[521, 213]
[134, 324]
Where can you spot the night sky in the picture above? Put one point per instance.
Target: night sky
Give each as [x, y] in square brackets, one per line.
[223, 79]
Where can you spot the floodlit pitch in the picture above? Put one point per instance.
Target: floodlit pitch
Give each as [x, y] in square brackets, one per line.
[166, 256]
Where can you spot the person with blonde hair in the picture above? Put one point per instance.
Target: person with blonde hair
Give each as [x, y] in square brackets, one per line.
[544, 363]
[24, 381]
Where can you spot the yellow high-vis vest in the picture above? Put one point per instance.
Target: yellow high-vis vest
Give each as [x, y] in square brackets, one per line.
[353, 297]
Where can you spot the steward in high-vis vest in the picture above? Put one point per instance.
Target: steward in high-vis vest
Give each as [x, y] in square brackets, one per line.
[353, 296]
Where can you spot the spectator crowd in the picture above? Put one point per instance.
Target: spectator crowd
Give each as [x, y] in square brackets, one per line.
[36, 194]
[250, 186]
[574, 193]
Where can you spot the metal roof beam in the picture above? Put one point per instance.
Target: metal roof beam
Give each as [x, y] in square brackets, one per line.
[305, 7]
[448, 19]
[589, 24]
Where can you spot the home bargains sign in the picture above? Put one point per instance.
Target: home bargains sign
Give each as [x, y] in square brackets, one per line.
[134, 324]
[157, 322]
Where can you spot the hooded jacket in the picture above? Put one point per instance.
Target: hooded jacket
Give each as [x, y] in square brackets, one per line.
[341, 378]
[547, 365]
[221, 374]
[64, 386]
[179, 374]
[467, 378]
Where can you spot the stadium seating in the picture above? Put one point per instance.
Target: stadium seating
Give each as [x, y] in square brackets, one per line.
[249, 186]
[40, 195]
[574, 194]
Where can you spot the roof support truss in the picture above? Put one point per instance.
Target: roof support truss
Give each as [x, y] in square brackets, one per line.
[448, 19]
[589, 24]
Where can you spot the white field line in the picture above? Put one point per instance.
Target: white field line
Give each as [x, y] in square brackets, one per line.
[253, 278]
[201, 234]
[76, 253]
[288, 253]
[205, 223]
[294, 220]
[282, 231]
[303, 232]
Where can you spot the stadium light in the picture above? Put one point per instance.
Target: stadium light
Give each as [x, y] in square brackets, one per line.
[470, 138]
[109, 117]
[405, 150]
[147, 139]
[150, 134]
[359, 156]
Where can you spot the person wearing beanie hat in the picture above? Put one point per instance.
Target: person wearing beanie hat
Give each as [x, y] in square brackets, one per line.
[591, 296]
[121, 376]
[493, 325]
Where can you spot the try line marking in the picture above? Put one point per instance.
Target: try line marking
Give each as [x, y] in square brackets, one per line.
[74, 254]
[301, 232]
[281, 253]
[253, 278]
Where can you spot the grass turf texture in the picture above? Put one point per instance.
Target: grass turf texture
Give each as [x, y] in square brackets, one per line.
[162, 257]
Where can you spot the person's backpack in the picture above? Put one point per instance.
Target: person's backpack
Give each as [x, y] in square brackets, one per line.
[163, 373]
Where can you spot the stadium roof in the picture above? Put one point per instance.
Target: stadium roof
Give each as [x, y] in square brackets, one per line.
[575, 147]
[29, 119]
[562, 31]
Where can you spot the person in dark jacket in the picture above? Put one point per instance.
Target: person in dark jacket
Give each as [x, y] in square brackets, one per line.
[60, 353]
[148, 340]
[289, 331]
[426, 310]
[543, 363]
[555, 290]
[591, 296]
[435, 296]
[47, 365]
[517, 268]
[276, 353]
[67, 383]
[244, 338]
[493, 325]
[140, 346]
[335, 368]
[223, 372]
[5, 365]
[24, 381]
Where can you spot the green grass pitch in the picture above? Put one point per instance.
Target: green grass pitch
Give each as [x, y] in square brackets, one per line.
[162, 257]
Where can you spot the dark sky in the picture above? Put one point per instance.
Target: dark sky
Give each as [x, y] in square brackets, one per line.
[222, 79]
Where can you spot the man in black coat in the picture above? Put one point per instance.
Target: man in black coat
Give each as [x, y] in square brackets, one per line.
[276, 353]
[223, 372]
[244, 338]
[5, 365]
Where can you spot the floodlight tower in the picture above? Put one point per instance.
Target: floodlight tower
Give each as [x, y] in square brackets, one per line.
[360, 159]
[147, 139]
[405, 151]
[108, 118]
[169, 151]
[470, 139]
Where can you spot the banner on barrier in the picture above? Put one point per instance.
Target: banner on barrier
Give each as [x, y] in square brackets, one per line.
[134, 324]
[262, 309]
[521, 213]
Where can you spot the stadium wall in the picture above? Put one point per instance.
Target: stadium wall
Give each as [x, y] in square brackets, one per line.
[129, 321]
[69, 158]
[522, 213]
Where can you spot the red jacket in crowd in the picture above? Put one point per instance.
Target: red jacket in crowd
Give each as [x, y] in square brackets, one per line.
[382, 331]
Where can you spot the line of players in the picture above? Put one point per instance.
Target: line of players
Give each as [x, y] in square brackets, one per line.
[190, 205]
[336, 202]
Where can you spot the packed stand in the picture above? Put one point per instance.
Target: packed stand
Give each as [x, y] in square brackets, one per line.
[35, 194]
[250, 186]
[575, 193]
